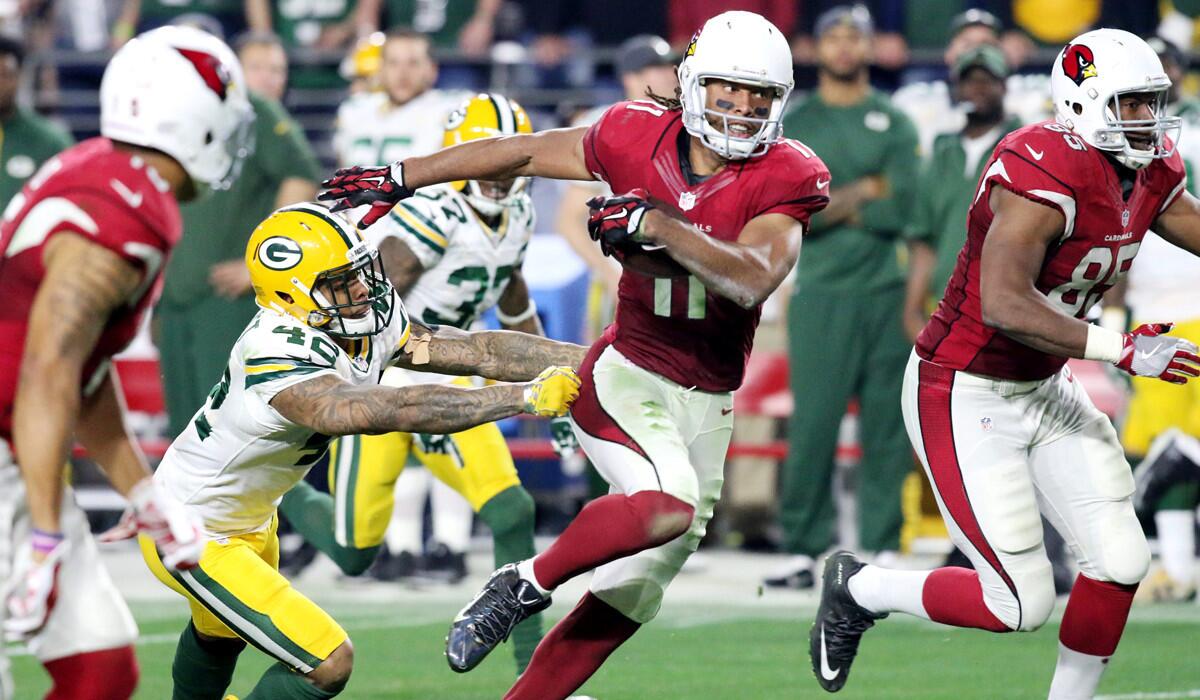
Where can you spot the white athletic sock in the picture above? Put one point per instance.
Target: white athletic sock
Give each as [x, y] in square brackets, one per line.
[881, 590]
[408, 514]
[1177, 544]
[1077, 675]
[525, 570]
[452, 517]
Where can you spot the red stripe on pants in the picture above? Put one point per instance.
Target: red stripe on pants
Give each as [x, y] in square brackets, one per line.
[934, 389]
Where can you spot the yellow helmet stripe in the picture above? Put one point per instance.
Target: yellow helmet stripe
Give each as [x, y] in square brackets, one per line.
[505, 118]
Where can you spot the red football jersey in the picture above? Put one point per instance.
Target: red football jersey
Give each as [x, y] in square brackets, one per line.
[674, 326]
[1050, 165]
[106, 196]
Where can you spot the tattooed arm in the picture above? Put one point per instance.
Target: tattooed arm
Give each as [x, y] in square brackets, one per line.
[331, 406]
[504, 355]
[84, 283]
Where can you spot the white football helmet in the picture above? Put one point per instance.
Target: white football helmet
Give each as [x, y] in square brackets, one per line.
[1087, 82]
[180, 90]
[741, 47]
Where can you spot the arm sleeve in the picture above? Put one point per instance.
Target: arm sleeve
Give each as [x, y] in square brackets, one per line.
[920, 220]
[279, 354]
[887, 215]
[423, 226]
[286, 152]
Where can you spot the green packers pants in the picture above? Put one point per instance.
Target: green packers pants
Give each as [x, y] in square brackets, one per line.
[193, 348]
[843, 345]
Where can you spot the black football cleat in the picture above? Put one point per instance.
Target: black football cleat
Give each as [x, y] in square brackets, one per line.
[833, 639]
[1169, 462]
[505, 601]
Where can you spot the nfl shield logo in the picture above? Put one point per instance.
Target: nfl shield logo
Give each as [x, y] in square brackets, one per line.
[986, 424]
[1125, 219]
[687, 200]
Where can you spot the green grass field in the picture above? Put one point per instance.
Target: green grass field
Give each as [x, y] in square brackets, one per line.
[716, 653]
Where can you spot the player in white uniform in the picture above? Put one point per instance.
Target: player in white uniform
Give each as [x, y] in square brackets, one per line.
[452, 252]
[306, 369]
[407, 117]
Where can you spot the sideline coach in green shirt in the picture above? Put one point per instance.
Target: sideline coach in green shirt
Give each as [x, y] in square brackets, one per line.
[206, 300]
[26, 139]
[845, 335]
[936, 230]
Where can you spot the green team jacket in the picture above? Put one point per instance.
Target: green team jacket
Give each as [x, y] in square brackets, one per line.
[26, 141]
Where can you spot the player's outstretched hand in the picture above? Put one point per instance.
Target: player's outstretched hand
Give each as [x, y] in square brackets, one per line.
[552, 392]
[382, 187]
[615, 220]
[1149, 352]
[176, 534]
[29, 598]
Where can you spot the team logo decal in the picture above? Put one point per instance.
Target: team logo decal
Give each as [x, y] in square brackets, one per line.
[1125, 219]
[456, 118]
[211, 70]
[691, 49]
[1079, 63]
[985, 424]
[280, 253]
[687, 200]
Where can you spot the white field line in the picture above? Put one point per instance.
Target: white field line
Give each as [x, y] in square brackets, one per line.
[1165, 695]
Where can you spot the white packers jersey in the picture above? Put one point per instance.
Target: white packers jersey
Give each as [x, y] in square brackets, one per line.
[467, 263]
[370, 130]
[931, 109]
[239, 456]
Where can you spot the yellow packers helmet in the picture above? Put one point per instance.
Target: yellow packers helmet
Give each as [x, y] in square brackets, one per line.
[480, 117]
[314, 265]
[364, 60]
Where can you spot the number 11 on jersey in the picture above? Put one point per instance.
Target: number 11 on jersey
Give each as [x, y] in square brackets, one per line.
[664, 289]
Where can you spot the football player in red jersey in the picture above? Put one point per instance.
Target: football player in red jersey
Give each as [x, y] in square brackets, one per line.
[83, 245]
[1006, 435]
[654, 412]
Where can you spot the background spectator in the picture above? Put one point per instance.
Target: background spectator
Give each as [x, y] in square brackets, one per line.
[265, 64]
[889, 48]
[26, 139]
[685, 17]
[846, 338]
[330, 25]
[465, 25]
[137, 16]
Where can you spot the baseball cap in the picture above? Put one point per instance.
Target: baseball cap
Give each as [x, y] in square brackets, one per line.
[643, 51]
[855, 16]
[987, 57]
[975, 17]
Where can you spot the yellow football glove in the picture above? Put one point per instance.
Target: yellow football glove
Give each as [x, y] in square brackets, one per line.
[552, 392]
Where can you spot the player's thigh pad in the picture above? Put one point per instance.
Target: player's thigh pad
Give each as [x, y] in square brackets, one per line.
[972, 441]
[476, 462]
[238, 591]
[1086, 488]
[362, 476]
[625, 423]
[635, 585]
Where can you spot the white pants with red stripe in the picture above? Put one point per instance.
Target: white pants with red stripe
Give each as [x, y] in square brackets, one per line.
[646, 433]
[90, 614]
[1001, 453]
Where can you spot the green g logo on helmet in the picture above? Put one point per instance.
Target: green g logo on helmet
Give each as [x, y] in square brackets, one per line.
[280, 253]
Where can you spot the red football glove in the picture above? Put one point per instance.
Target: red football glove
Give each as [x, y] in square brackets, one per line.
[382, 187]
[1148, 352]
[614, 220]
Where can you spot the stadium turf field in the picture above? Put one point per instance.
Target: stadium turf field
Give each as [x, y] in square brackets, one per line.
[716, 652]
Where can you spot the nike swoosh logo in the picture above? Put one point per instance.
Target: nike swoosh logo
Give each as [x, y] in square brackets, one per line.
[133, 199]
[821, 183]
[726, 411]
[1037, 155]
[827, 673]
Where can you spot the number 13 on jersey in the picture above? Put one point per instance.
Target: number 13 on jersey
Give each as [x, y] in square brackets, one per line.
[667, 289]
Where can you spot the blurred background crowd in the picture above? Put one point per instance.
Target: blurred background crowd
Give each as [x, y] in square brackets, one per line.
[903, 99]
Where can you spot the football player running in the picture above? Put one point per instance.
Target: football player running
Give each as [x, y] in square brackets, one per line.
[83, 247]
[452, 252]
[654, 413]
[306, 370]
[1005, 433]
